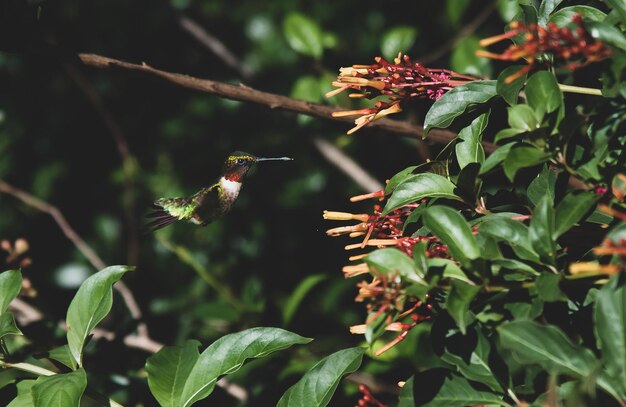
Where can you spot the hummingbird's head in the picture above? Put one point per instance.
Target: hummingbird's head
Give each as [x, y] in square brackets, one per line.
[238, 163]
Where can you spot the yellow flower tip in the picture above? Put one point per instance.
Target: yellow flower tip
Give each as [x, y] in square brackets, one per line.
[353, 246]
[401, 384]
[343, 113]
[486, 54]
[356, 234]
[331, 215]
[386, 112]
[356, 95]
[356, 270]
[335, 92]
[357, 257]
[385, 348]
[609, 251]
[358, 329]
[342, 230]
[378, 194]
[592, 267]
[381, 242]
[394, 327]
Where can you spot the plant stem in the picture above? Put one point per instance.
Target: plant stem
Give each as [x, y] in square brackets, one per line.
[580, 89]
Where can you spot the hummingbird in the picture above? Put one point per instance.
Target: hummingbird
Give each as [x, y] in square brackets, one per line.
[211, 202]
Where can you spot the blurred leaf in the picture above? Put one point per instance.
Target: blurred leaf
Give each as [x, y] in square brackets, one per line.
[620, 7]
[571, 209]
[405, 399]
[542, 185]
[456, 391]
[64, 355]
[543, 94]
[508, 9]
[459, 100]
[7, 325]
[458, 302]
[465, 60]
[541, 230]
[565, 15]
[178, 376]
[391, 260]
[298, 294]
[607, 33]
[307, 88]
[90, 305]
[10, 285]
[24, 394]
[546, 8]
[548, 289]
[304, 35]
[318, 385]
[470, 149]
[397, 39]
[420, 186]
[523, 156]
[609, 316]
[454, 231]
[510, 91]
[59, 390]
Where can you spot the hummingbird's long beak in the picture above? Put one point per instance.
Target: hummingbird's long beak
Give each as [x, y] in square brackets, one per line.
[274, 159]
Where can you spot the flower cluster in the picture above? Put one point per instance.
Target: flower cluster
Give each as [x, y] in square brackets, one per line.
[571, 46]
[397, 82]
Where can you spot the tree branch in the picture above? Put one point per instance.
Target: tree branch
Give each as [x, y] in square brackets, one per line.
[274, 101]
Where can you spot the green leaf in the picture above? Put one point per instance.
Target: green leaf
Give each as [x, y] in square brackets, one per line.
[571, 210]
[620, 7]
[454, 231]
[459, 100]
[610, 327]
[545, 9]
[10, 285]
[495, 158]
[391, 260]
[565, 15]
[508, 9]
[420, 186]
[450, 269]
[458, 302]
[548, 289]
[295, 299]
[24, 394]
[542, 185]
[547, 346]
[7, 325]
[304, 35]
[469, 149]
[476, 365]
[522, 157]
[397, 39]
[399, 178]
[64, 355]
[318, 385]
[512, 232]
[59, 390]
[607, 33]
[543, 94]
[178, 376]
[457, 391]
[464, 59]
[405, 399]
[510, 91]
[89, 306]
[522, 118]
[541, 230]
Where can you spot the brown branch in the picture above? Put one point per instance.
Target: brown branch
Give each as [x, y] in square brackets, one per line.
[26, 313]
[274, 101]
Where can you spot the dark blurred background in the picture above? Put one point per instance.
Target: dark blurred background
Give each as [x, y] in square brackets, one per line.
[56, 144]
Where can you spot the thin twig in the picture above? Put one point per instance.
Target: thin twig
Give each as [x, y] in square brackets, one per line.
[29, 314]
[347, 165]
[214, 45]
[274, 101]
[115, 130]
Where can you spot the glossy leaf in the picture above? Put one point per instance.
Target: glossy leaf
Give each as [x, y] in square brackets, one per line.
[304, 35]
[89, 306]
[454, 231]
[24, 394]
[59, 390]
[523, 157]
[571, 210]
[565, 15]
[510, 91]
[522, 118]
[450, 269]
[399, 178]
[318, 385]
[397, 39]
[512, 232]
[298, 294]
[420, 186]
[7, 325]
[545, 9]
[456, 102]
[63, 355]
[392, 260]
[178, 376]
[610, 327]
[458, 302]
[542, 185]
[541, 230]
[457, 391]
[542, 93]
[547, 285]
[10, 285]
[469, 149]
[495, 158]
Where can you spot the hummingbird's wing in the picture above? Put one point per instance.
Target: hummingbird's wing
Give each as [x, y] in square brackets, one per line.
[167, 211]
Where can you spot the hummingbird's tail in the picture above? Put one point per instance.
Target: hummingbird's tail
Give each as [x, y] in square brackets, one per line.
[162, 218]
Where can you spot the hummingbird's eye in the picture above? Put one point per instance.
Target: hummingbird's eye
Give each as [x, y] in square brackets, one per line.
[241, 161]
